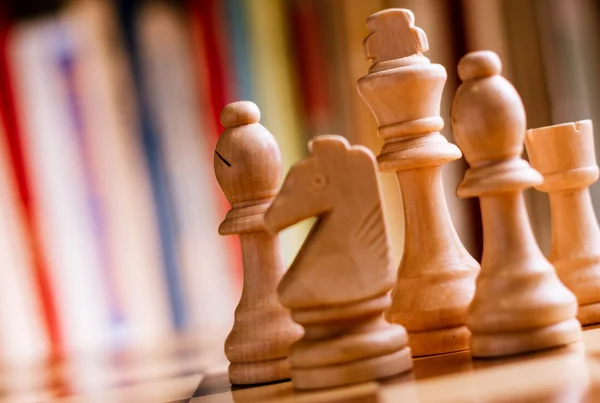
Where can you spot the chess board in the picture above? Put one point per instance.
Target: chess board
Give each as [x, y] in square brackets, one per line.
[197, 373]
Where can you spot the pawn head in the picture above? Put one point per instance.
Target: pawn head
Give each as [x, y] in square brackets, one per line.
[487, 115]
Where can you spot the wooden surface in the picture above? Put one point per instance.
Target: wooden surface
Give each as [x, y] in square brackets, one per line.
[247, 165]
[189, 371]
[568, 374]
[171, 374]
[337, 287]
[564, 155]
[520, 304]
[436, 277]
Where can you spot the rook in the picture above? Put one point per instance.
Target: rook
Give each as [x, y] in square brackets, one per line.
[564, 155]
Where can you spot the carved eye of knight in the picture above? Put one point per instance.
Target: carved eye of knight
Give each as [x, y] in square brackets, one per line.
[319, 181]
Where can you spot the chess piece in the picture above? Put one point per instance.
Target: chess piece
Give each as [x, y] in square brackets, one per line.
[564, 155]
[520, 305]
[436, 277]
[248, 168]
[337, 287]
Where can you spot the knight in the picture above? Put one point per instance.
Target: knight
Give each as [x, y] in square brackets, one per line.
[337, 287]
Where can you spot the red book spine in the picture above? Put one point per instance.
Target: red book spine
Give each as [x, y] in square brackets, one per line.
[13, 134]
[208, 16]
[310, 54]
[215, 80]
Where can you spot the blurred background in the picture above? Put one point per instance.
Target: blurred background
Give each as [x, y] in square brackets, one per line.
[109, 115]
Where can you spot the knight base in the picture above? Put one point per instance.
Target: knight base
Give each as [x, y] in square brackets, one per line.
[359, 350]
[352, 372]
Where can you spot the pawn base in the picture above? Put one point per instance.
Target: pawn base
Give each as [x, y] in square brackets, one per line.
[589, 314]
[352, 372]
[251, 373]
[439, 341]
[503, 344]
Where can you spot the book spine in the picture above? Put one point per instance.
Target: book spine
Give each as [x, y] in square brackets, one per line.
[58, 199]
[239, 49]
[310, 52]
[169, 77]
[14, 140]
[155, 164]
[276, 92]
[215, 83]
[116, 156]
[23, 338]
[65, 55]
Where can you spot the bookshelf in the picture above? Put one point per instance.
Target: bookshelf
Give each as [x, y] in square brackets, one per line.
[109, 118]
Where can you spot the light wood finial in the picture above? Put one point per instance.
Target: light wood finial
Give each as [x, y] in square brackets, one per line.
[240, 113]
[393, 35]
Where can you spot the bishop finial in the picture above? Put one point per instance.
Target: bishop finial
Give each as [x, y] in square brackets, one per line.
[480, 64]
[393, 35]
[240, 113]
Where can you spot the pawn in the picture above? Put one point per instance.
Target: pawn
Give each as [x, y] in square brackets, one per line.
[247, 165]
[337, 287]
[564, 155]
[520, 305]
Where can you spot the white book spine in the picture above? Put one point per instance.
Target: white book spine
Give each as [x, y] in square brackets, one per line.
[169, 77]
[22, 334]
[55, 172]
[105, 89]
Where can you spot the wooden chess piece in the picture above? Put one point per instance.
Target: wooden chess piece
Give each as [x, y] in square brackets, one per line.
[564, 155]
[247, 165]
[337, 287]
[436, 277]
[520, 305]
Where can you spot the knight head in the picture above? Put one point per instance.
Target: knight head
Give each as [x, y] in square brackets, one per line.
[339, 184]
[333, 175]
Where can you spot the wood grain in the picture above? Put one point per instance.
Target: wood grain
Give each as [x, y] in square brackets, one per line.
[436, 277]
[520, 305]
[564, 155]
[567, 374]
[247, 165]
[337, 286]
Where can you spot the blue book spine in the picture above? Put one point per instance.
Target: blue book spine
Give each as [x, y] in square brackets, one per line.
[151, 143]
[238, 28]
